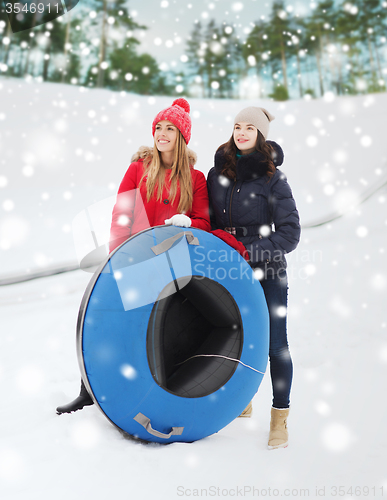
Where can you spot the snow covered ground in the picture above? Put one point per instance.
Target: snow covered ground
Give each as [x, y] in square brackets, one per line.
[63, 149]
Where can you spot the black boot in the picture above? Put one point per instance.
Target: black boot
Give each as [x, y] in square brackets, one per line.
[82, 400]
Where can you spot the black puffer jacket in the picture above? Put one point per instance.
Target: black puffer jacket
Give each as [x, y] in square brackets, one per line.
[252, 204]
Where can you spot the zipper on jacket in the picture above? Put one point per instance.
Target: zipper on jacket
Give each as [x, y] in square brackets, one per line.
[232, 192]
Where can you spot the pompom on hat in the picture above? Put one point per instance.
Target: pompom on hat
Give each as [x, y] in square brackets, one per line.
[259, 117]
[178, 114]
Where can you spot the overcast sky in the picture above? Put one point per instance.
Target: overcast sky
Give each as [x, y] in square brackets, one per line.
[171, 21]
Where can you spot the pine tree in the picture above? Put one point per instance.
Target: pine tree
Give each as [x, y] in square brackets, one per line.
[195, 53]
[232, 66]
[256, 50]
[211, 48]
[347, 36]
[277, 34]
[132, 72]
[296, 42]
[317, 32]
[113, 22]
[370, 20]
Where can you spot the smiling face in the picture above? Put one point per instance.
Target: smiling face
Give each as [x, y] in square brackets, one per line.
[245, 137]
[165, 136]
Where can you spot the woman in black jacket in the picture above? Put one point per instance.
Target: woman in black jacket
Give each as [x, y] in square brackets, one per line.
[249, 195]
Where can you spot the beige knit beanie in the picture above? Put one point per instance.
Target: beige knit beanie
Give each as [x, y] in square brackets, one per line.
[259, 117]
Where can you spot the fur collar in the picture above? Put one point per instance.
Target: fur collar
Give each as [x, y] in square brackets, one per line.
[145, 151]
[251, 166]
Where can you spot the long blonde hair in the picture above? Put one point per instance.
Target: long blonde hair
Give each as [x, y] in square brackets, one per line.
[180, 174]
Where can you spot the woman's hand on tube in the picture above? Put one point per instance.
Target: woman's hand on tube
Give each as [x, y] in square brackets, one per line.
[178, 220]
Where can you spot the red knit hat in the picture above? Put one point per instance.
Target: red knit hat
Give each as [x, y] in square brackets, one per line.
[178, 114]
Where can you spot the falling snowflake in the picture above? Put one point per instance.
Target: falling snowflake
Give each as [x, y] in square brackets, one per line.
[361, 231]
[329, 189]
[131, 295]
[345, 200]
[8, 205]
[258, 274]
[252, 60]
[310, 269]
[281, 311]
[237, 6]
[30, 380]
[191, 461]
[61, 125]
[329, 97]
[326, 174]
[13, 232]
[265, 230]
[383, 354]
[289, 119]
[223, 181]
[67, 195]
[366, 141]
[337, 437]
[311, 141]
[340, 307]
[340, 156]
[85, 434]
[40, 259]
[28, 171]
[322, 408]
[128, 371]
[378, 282]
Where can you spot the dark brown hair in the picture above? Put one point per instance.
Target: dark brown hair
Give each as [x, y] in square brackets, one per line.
[230, 151]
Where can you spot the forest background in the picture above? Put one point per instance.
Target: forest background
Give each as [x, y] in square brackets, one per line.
[332, 46]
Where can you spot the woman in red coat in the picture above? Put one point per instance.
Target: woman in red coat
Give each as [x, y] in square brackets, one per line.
[160, 187]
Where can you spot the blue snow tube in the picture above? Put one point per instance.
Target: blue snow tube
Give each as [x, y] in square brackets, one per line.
[172, 335]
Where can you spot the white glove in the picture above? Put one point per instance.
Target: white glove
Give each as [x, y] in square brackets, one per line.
[178, 220]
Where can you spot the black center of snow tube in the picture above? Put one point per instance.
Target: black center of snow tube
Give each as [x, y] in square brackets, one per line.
[191, 333]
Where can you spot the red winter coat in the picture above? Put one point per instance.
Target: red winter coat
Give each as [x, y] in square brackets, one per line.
[132, 212]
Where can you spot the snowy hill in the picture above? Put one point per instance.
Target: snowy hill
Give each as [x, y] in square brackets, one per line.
[63, 149]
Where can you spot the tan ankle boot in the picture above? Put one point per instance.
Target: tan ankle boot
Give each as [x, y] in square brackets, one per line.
[278, 437]
[247, 412]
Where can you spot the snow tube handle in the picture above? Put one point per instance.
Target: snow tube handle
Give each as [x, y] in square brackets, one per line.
[166, 244]
[146, 423]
